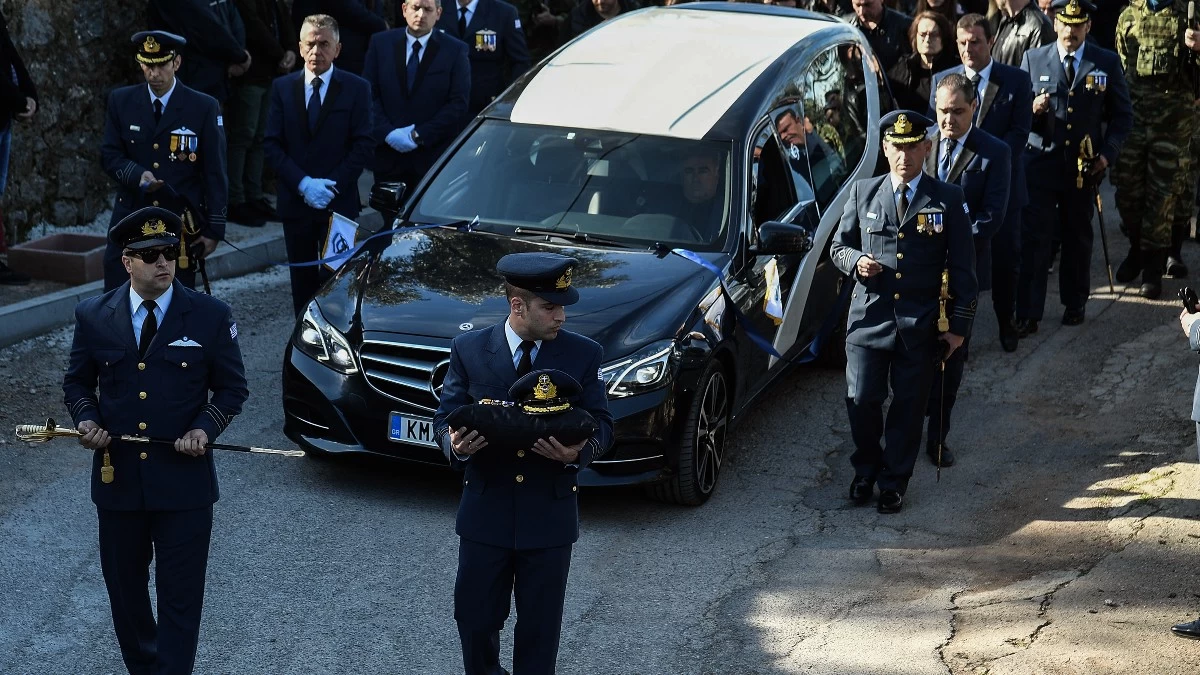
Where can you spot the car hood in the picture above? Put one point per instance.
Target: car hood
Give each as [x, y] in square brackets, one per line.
[438, 283]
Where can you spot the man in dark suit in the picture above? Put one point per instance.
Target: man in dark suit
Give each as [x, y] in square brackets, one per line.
[153, 349]
[885, 29]
[899, 236]
[492, 32]
[215, 36]
[519, 516]
[1004, 111]
[165, 134]
[319, 140]
[421, 82]
[18, 101]
[977, 162]
[1079, 92]
[357, 20]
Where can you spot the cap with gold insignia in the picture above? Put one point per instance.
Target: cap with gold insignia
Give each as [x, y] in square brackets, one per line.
[146, 228]
[546, 275]
[157, 46]
[1073, 12]
[902, 127]
[544, 391]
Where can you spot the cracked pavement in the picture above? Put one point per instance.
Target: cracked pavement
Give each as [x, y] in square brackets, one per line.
[1065, 540]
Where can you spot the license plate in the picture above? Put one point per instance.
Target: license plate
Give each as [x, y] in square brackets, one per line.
[411, 429]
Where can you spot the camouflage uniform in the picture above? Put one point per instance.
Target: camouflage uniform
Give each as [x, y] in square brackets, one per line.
[1185, 200]
[1150, 174]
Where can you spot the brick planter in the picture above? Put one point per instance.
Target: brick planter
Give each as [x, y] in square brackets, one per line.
[69, 258]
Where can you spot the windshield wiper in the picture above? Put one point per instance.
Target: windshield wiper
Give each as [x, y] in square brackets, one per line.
[581, 237]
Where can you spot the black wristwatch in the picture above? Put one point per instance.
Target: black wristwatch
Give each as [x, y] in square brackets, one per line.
[416, 138]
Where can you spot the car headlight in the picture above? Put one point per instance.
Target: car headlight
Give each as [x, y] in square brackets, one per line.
[315, 337]
[646, 370]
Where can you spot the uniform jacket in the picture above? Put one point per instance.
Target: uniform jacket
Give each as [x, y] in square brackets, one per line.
[134, 144]
[339, 149]
[982, 169]
[901, 302]
[437, 106]
[540, 511]
[216, 39]
[357, 21]
[168, 390]
[1053, 148]
[12, 94]
[1017, 34]
[496, 60]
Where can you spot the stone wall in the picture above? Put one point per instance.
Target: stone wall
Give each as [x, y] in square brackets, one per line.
[76, 52]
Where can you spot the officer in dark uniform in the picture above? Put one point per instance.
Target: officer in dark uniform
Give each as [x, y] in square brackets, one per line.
[519, 516]
[495, 43]
[155, 349]
[900, 234]
[1077, 89]
[161, 140]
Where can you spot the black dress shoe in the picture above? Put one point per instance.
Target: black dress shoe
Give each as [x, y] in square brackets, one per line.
[861, 490]
[244, 214]
[1026, 327]
[263, 208]
[1175, 268]
[1073, 316]
[947, 456]
[1187, 630]
[890, 501]
[1009, 339]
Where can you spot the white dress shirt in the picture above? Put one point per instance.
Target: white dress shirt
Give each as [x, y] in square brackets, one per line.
[138, 312]
[408, 43]
[309, 76]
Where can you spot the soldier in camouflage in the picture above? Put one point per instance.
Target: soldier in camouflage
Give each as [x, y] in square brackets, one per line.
[1161, 73]
[1185, 203]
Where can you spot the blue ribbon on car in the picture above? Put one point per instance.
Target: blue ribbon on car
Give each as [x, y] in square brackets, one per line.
[811, 351]
[344, 255]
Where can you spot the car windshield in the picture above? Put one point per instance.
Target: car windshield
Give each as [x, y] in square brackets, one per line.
[617, 186]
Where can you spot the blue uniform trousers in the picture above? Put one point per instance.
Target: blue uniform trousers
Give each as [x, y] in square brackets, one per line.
[1069, 210]
[304, 238]
[943, 392]
[129, 541]
[487, 578]
[868, 372]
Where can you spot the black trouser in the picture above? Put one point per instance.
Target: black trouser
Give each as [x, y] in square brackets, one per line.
[1006, 265]
[868, 372]
[942, 394]
[487, 579]
[1071, 209]
[303, 238]
[178, 542]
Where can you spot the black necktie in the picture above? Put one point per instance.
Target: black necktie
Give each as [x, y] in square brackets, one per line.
[314, 104]
[413, 61]
[462, 21]
[903, 207]
[1069, 66]
[149, 327]
[526, 363]
[157, 110]
[975, 80]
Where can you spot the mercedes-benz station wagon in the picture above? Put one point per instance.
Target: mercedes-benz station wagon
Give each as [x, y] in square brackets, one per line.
[694, 159]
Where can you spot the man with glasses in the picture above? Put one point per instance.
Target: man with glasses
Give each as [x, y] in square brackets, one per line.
[164, 142]
[144, 358]
[421, 82]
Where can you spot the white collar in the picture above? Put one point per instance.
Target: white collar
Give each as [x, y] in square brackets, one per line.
[165, 97]
[410, 39]
[163, 301]
[958, 142]
[984, 75]
[326, 77]
[471, 7]
[514, 340]
[912, 184]
[1062, 53]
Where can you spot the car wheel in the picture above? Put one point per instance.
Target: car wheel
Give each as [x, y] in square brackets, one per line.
[702, 443]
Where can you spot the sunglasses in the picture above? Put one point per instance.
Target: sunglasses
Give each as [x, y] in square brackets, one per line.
[150, 255]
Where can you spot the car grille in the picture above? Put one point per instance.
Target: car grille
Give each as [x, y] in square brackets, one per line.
[410, 373]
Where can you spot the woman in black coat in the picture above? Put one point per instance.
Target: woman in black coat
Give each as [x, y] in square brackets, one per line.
[934, 50]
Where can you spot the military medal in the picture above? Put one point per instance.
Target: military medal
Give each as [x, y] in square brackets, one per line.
[935, 220]
[922, 228]
[174, 147]
[485, 41]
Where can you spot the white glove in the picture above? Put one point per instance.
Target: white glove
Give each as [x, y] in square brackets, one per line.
[401, 140]
[318, 192]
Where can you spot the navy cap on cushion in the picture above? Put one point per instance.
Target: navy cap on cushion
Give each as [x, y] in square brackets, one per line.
[546, 275]
[146, 228]
[904, 126]
[157, 46]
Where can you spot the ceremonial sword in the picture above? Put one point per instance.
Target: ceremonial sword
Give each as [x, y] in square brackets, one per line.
[38, 433]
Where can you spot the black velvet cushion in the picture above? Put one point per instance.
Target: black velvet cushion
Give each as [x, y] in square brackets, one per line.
[540, 409]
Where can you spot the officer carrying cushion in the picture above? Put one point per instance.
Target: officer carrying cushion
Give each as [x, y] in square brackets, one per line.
[1161, 72]
[165, 146]
[905, 239]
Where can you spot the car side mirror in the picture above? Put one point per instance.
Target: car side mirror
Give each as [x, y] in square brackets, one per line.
[388, 199]
[775, 238]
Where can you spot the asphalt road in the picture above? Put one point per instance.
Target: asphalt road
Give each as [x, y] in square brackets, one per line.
[1064, 541]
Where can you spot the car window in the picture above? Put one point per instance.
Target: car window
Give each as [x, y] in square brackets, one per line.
[629, 187]
[773, 172]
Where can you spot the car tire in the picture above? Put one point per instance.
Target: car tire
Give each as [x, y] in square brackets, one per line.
[702, 442]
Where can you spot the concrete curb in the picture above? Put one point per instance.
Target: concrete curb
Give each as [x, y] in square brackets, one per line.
[41, 314]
